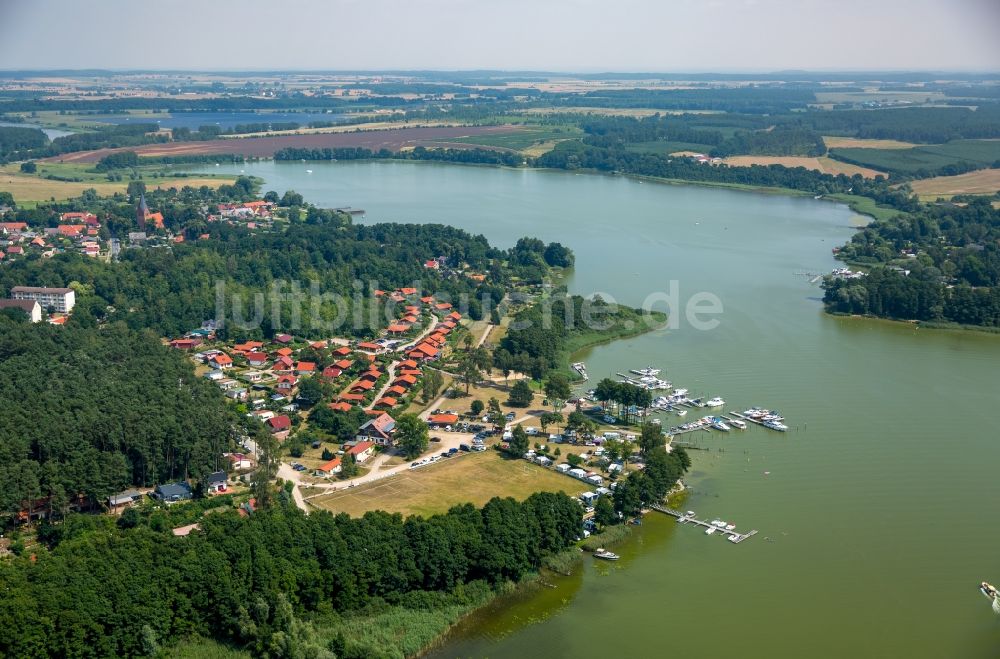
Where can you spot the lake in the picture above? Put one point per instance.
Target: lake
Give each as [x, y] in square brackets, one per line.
[877, 511]
[51, 133]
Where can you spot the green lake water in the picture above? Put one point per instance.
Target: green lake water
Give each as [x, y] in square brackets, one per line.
[879, 513]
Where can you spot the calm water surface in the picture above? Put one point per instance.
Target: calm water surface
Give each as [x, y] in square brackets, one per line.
[880, 507]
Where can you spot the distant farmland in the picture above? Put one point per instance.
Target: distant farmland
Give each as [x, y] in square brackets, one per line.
[265, 147]
[930, 157]
[984, 181]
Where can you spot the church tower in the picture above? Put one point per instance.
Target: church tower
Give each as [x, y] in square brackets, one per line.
[142, 212]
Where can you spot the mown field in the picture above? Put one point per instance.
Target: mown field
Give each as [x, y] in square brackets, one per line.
[822, 164]
[472, 478]
[28, 189]
[983, 181]
[928, 157]
[834, 142]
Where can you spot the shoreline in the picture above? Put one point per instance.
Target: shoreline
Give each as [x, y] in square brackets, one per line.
[942, 326]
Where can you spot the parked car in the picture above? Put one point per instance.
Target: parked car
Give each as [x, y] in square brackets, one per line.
[444, 454]
[465, 447]
[435, 439]
[452, 451]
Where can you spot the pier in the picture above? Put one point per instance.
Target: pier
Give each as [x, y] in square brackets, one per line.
[734, 536]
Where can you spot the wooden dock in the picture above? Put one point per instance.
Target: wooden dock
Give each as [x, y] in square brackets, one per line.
[736, 536]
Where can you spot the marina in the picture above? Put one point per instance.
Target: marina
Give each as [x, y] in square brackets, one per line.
[715, 526]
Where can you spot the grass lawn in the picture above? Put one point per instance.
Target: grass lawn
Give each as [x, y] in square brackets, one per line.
[865, 206]
[472, 478]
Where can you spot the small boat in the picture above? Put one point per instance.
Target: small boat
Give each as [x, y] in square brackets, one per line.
[989, 591]
[649, 371]
[606, 555]
[309, 171]
[715, 402]
[690, 513]
[710, 530]
[682, 413]
[734, 538]
[739, 425]
[719, 424]
[776, 425]
[730, 527]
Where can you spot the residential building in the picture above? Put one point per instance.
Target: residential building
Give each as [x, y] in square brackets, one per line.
[124, 499]
[329, 468]
[362, 450]
[60, 299]
[173, 492]
[215, 482]
[30, 307]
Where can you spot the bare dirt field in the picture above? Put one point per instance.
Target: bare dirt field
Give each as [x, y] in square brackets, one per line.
[855, 143]
[822, 164]
[983, 181]
[264, 147]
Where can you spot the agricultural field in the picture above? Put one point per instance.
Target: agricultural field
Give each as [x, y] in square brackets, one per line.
[265, 147]
[929, 157]
[983, 181]
[664, 147]
[821, 164]
[834, 142]
[526, 138]
[916, 97]
[474, 478]
[28, 189]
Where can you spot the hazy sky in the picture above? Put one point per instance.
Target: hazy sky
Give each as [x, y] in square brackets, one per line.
[565, 35]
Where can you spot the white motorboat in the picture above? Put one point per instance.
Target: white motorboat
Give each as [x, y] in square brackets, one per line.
[714, 402]
[710, 530]
[776, 425]
[719, 424]
[730, 527]
[648, 371]
[606, 555]
[739, 425]
[682, 413]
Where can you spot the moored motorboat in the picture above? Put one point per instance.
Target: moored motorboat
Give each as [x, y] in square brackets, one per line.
[989, 591]
[715, 402]
[739, 425]
[710, 530]
[606, 555]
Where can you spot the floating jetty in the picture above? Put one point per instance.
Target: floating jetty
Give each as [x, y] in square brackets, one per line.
[580, 368]
[735, 537]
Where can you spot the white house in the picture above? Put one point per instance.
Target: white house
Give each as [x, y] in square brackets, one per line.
[30, 307]
[595, 479]
[563, 467]
[544, 461]
[61, 299]
[578, 473]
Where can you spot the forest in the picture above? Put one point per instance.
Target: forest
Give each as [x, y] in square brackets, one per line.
[89, 412]
[541, 335]
[273, 583]
[954, 273]
[474, 156]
